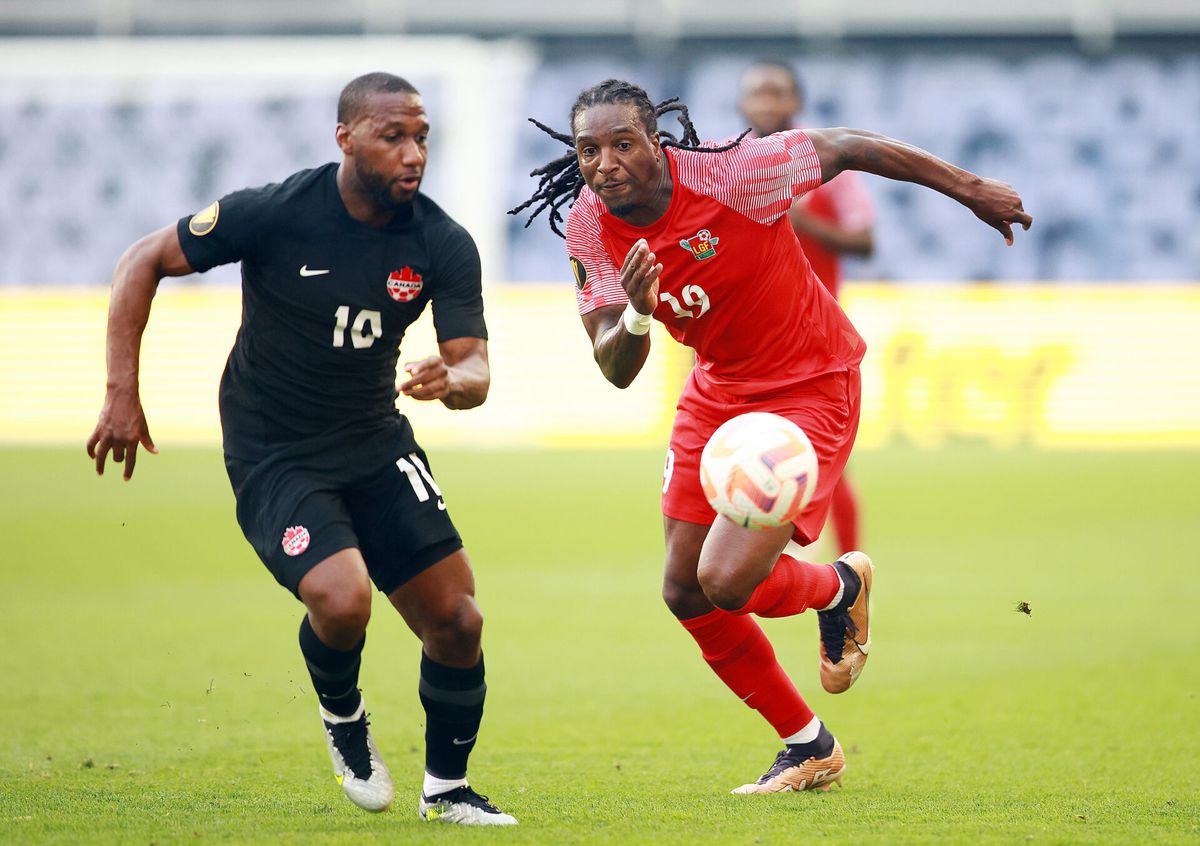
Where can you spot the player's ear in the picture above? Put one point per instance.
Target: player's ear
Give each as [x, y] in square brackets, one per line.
[342, 136]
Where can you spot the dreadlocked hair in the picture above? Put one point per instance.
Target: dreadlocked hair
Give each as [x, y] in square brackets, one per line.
[560, 180]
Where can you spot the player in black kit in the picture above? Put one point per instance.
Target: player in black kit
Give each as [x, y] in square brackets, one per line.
[332, 489]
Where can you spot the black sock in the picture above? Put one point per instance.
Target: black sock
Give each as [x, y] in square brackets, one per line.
[453, 701]
[821, 747]
[334, 673]
[852, 585]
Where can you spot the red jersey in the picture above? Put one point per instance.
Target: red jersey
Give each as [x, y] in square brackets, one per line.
[735, 286]
[843, 202]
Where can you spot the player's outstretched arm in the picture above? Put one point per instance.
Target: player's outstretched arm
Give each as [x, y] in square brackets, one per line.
[459, 376]
[122, 424]
[993, 202]
[620, 334]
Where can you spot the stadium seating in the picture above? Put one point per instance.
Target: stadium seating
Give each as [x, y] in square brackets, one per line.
[1106, 152]
[1103, 151]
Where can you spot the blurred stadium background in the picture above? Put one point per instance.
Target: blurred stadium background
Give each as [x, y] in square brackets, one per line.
[117, 116]
[1012, 398]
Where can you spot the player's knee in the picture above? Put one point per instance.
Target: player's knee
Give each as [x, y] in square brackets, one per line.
[468, 622]
[340, 615]
[455, 627]
[684, 599]
[722, 590]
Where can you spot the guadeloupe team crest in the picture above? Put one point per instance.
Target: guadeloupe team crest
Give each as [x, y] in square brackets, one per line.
[404, 285]
[702, 245]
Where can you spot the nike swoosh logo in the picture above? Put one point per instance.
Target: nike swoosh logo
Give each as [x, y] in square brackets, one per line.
[865, 648]
[747, 696]
[304, 271]
[441, 504]
[470, 739]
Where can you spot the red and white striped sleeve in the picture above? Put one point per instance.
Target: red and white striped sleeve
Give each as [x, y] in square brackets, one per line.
[851, 202]
[597, 276]
[759, 178]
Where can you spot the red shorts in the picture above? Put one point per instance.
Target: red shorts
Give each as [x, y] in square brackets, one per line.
[826, 408]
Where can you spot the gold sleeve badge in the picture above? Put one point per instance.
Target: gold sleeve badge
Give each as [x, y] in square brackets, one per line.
[205, 221]
[580, 272]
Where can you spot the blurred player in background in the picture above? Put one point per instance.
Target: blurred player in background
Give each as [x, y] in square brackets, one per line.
[332, 489]
[832, 220]
[697, 236]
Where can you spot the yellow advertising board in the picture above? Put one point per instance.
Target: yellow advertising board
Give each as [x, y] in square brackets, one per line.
[546, 389]
[1056, 366]
[1048, 366]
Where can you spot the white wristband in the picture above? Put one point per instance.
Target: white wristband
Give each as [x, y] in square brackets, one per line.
[635, 322]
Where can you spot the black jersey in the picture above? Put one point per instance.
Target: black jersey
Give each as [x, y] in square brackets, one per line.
[325, 303]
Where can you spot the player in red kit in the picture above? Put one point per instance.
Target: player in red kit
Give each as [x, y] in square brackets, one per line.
[830, 221]
[697, 237]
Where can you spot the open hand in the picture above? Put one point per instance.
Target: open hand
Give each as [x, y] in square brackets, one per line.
[639, 277]
[121, 429]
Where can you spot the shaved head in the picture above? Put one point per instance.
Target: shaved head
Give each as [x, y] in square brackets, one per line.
[354, 96]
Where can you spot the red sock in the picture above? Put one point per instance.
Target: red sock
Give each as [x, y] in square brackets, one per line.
[792, 587]
[740, 654]
[843, 512]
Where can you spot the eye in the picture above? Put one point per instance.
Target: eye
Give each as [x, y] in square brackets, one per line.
[391, 138]
[625, 146]
[587, 151]
[422, 139]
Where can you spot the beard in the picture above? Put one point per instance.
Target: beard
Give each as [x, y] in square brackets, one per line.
[379, 188]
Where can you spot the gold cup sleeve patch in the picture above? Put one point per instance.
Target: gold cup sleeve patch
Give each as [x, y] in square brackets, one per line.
[205, 220]
[580, 272]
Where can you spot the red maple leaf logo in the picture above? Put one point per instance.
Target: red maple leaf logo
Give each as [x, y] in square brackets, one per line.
[404, 285]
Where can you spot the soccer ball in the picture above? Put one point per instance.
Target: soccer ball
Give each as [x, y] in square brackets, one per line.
[759, 470]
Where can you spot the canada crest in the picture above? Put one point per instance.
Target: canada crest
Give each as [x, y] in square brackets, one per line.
[295, 540]
[404, 285]
[702, 245]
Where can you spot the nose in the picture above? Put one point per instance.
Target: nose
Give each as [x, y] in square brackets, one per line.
[608, 161]
[412, 153]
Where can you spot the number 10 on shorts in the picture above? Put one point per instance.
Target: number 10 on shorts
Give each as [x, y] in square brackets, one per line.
[418, 476]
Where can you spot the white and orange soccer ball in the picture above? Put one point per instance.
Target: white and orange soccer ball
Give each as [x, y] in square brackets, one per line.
[759, 470]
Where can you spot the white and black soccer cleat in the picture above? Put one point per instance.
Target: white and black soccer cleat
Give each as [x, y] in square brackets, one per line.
[464, 806]
[356, 762]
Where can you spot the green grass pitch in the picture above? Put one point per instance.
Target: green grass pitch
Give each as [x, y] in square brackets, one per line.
[151, 689]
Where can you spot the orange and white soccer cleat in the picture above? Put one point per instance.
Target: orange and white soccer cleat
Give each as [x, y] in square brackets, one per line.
[846, 628]
[793, 771]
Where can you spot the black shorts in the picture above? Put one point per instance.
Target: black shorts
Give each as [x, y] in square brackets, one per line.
[375, 493]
